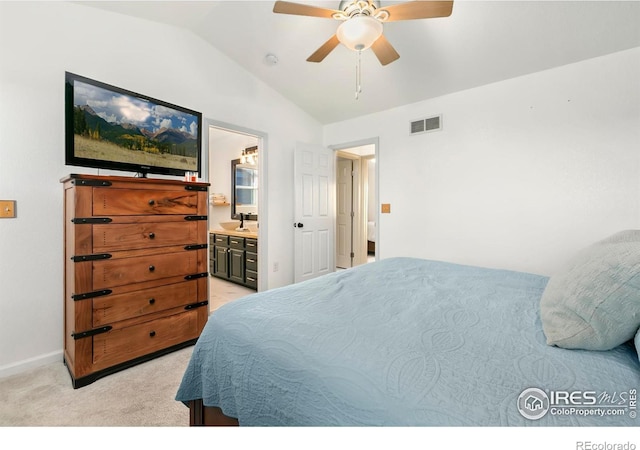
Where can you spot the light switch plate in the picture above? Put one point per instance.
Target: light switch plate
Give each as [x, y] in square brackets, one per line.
[7, 209]
[386, 208]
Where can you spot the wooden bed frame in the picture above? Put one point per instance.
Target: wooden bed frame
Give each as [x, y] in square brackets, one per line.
[200, 415]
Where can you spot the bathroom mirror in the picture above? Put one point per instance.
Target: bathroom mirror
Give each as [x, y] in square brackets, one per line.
[244, 190]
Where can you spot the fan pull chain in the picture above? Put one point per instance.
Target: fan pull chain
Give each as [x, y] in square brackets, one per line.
[358, 75]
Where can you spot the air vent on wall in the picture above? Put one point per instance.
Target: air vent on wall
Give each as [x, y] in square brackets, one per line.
[426, 125]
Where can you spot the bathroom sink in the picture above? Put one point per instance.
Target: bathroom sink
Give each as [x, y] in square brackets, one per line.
[231, 225]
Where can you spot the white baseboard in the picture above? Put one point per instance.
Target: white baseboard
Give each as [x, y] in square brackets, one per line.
[31, 363]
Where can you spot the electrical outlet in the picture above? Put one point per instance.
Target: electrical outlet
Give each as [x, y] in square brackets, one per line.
[276, 266]
[7, 209]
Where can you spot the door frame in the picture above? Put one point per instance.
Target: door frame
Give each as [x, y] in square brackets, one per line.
[263, 148]
[375, 141]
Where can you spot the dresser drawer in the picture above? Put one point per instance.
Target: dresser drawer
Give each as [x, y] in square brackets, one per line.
[113, 308]
[124, 344]
[251, 245]
[236, 242]
[125, 202]
[251, 261]
[251, 279]
[113, 237]
[122, 271]
[220, 239]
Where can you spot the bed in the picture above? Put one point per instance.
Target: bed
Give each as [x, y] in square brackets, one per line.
[409, 342]
[371, 237]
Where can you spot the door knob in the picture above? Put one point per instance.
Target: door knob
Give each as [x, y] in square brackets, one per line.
[299, 225]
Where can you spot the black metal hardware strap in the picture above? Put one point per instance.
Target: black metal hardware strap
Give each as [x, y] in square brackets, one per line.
[95, 257]
[93, 294]
[100, 183]
[191, 187]
[196, 305]
[91, 220]
[195, 217]
[196, 275]
[84, 334]
[196, 246]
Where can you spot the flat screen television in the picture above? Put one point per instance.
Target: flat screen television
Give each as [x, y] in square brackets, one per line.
[112, 128]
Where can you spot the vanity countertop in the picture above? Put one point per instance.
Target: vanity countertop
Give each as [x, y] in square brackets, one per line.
[248, 234]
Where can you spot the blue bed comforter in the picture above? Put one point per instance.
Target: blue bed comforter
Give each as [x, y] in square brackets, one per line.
[402, 342]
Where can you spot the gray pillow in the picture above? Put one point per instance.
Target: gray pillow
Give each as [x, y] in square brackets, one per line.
[594, 302]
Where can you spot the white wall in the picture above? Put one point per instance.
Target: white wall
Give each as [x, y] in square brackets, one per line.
[39, 41]
[523, 173]
[224, 146]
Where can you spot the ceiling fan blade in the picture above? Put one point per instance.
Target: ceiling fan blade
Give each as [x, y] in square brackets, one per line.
[324, 50]
[299, 9]
[384, 51]
[418, 9]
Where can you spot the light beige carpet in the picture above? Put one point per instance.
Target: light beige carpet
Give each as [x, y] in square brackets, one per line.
[142, 395]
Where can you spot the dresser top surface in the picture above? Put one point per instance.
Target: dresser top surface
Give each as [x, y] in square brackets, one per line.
[113, 178]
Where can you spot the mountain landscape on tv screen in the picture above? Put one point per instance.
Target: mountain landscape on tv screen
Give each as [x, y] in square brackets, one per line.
[171, 141]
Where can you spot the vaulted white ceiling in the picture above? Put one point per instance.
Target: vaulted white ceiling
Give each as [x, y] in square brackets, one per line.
[480, 43]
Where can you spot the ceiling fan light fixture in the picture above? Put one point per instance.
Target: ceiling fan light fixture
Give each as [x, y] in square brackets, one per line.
[359, 32]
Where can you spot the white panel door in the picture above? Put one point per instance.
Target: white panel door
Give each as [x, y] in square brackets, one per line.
[313, 215]
[344, 213]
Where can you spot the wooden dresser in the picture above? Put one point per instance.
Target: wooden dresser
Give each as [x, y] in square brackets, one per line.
[135, 263]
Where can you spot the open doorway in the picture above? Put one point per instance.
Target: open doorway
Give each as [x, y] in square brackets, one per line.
[236, 250]
[356, 212]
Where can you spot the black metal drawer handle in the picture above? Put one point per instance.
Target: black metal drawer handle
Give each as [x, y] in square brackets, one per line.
[152, 202]
[152, 301]
[152, 268]
[152, 235]
[152, 334]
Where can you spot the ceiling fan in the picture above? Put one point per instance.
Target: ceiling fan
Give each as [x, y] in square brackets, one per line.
[362, 21]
